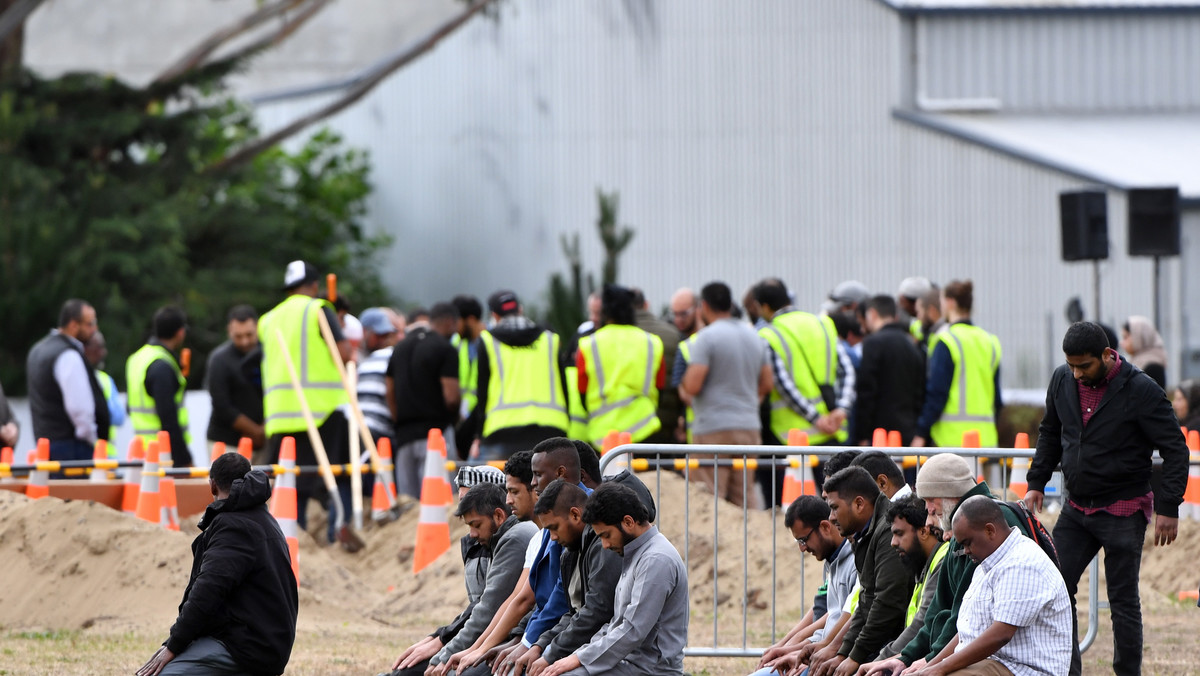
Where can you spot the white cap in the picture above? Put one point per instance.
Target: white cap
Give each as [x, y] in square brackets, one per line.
[914, 287]
[299, 272]
[353, 329]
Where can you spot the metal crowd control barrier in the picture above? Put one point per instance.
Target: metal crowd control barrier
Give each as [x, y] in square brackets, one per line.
[82, 467]
[680, 457]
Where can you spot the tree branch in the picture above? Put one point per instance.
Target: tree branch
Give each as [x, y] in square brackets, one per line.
[283, 32]
[16, 14]
[202, 51]
[352, 94]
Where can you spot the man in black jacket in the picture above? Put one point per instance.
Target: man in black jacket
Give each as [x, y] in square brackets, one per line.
[589, 576]
[891, 379]
[1104, 419]
[238, 613]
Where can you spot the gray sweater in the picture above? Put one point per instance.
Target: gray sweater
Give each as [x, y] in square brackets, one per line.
[508, 560]
[648, 630]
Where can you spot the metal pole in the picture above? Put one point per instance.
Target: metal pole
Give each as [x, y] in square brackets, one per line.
[1096, 286]
[1157, 293]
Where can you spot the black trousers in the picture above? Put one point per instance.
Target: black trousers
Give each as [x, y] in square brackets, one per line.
[1078, 537]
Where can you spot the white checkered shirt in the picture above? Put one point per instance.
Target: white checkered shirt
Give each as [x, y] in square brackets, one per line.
[1019, 585]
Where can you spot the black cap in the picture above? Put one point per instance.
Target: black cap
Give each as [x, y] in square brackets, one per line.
[504, 303]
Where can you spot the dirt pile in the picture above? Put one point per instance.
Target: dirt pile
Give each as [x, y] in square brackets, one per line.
[72, 565]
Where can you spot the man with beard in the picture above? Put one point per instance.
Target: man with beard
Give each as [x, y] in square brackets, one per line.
[859, 510]
[589, 576]
[943, 482]
[648, 630]
[921, 550]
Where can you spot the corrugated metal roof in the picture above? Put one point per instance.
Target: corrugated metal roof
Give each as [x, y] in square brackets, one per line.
[1120, 151]
[1038, 5]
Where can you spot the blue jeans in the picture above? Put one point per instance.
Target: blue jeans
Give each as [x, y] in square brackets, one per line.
[1078, 537]
[69, 449]
[204, 657]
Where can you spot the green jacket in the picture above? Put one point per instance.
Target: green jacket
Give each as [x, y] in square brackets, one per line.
[941, 619]
[886, 589]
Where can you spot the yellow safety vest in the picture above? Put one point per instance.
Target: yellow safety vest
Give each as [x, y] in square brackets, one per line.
[142, 415]
[622, 362]
[468, 374]
[914, 604]
[106, 388]
[296, 318]
[689, 416]
[972, 401]
[807, 344]
[524, 387]
[916, 330]
[577, 427]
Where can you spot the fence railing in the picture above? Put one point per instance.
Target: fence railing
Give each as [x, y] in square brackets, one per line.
[684, 458]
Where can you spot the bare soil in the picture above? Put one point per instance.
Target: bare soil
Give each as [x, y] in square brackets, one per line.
[91, 590]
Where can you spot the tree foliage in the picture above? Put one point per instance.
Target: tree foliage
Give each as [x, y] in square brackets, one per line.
[568, 299]
[104, 196]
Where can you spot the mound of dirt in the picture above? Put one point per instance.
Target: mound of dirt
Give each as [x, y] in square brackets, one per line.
[73, 565]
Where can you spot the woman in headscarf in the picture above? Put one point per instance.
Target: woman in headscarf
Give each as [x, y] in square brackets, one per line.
[1141, 342]
[1185, 399]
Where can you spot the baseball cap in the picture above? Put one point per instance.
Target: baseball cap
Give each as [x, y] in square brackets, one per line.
[852, 291]
[376, 321]
[353, 330]
[504, 303]
[298, 273]
[914, 287]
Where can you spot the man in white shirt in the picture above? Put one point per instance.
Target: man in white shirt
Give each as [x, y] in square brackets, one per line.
[1015, 618]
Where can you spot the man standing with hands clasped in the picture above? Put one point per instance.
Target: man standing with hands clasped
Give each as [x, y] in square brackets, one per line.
[1104, 419]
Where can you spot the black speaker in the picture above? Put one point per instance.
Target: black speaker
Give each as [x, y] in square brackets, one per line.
[1154, 222]
[1084, 225]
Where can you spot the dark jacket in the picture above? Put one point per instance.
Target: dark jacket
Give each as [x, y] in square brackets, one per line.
[886, 589]
[891, 383]
[941, 618]
[599, 569]
[1110, 459]
[234, 380]
[50, 417]
[242, 591]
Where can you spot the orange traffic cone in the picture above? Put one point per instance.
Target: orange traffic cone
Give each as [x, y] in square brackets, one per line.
[283, 502]
[133, 478]
[218, 450]
[245, 447]
[383, 495]
[611, 441]
[433, 528]
[168, 507]
[99, 453]
[798, 479]
[6, 459]
[148, 504]
[39, 481]
[1019, 483]
[1191, 495]
[880, 438]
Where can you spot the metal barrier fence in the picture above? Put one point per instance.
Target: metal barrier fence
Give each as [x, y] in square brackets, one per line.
[656, 457]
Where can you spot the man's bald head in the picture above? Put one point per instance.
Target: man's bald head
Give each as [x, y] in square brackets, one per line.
[684, 306]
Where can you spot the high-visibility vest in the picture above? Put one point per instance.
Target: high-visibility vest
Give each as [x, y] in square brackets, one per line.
[914, 603]
[621, 362]
[689, 416]
[577, 425]
[524, 387]
[106, 388]
[916, 330]
[142, 414]
[972, 401]
[807, 344]
[468, 374]
[296, 318]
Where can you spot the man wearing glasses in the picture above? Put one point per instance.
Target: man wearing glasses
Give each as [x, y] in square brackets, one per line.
[808, 520]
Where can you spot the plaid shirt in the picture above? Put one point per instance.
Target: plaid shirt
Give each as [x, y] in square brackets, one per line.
[1089, 400]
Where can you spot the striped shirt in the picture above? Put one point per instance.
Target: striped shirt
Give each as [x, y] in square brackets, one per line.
[372, 391]
[1018, 585]
[844, 386]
